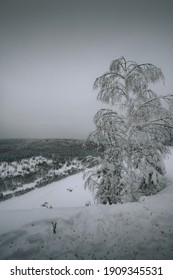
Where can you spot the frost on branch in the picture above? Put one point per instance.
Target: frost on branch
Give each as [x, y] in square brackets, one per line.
[134, 133]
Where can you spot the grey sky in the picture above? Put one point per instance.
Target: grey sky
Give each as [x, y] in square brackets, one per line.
[52, 51]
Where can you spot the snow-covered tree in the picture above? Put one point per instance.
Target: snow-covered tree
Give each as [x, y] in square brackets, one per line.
[132, 132]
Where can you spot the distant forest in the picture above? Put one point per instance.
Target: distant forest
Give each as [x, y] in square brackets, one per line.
[17, 149]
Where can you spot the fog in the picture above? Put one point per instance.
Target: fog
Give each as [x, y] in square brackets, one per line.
[52, 51]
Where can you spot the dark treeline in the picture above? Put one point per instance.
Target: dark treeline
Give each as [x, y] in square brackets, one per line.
[17, 149]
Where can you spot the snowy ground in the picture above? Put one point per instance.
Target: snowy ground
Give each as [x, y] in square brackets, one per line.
[71, 230]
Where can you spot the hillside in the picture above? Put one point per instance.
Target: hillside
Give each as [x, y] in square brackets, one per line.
[31, 229]
[26, 164]
[58, 149]
[17, 178]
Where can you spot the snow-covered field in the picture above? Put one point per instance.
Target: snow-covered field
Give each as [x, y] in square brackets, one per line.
[65, 228]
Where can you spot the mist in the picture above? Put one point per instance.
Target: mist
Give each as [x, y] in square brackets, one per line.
[52, 51]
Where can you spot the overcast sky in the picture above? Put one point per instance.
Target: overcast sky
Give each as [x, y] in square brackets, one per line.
[52, 51]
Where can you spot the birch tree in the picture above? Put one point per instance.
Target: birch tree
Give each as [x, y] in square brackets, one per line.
[132, 132]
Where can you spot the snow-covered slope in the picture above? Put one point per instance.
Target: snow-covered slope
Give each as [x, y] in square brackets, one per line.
[17, 178]
[68, 192]
[71, 230]
[25, 166]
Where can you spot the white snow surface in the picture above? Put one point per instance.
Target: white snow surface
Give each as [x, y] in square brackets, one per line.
[138, 230]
